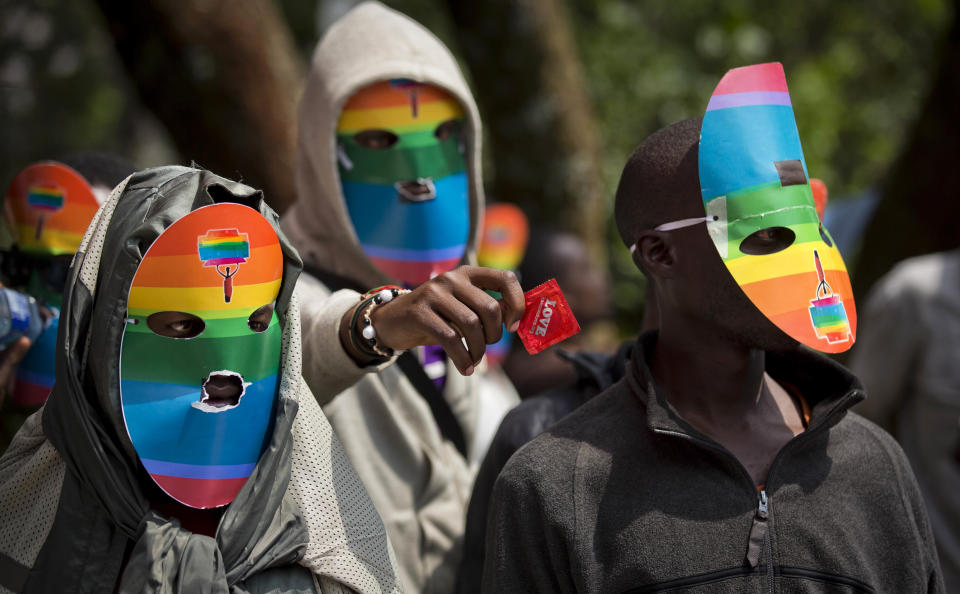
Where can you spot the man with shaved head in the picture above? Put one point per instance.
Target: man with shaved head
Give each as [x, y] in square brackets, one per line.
[726, 459]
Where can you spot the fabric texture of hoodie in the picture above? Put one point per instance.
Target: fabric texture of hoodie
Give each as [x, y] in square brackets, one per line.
[419, 482]
[75, 513]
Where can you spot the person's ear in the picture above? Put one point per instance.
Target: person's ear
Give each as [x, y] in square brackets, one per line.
[655, 253]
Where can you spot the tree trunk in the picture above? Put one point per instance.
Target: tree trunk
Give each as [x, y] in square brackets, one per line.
[223, 77]
[920, 205]
[529, 83]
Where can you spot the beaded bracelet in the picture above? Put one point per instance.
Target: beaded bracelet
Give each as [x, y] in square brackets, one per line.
[369, 301]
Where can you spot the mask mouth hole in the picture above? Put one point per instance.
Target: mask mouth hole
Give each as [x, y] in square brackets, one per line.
[416, 190]
[768, 241]
[222, 390]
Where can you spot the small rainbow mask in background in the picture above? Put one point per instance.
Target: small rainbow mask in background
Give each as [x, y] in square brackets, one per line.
[503, 243]
[198, 440]
[754, 178]
[51, 206]
[404, 177]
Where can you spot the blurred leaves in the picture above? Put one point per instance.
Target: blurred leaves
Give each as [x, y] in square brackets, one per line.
[857, 71]
[62, 90]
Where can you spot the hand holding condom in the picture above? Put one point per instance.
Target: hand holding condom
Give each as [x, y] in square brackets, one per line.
[451, 309]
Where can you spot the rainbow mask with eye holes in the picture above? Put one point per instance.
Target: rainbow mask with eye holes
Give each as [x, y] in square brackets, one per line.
[761, 213]
[404, 177]
[200, 355]
[51, 205]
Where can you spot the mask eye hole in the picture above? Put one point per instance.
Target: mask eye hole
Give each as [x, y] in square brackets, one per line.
[376, 139]
[447, 129]
[175, 324]
[767, 241]
[259, 320]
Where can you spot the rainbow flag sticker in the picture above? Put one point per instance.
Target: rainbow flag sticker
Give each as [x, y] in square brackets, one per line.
[47, 200]
[827, 313]
[221, 248]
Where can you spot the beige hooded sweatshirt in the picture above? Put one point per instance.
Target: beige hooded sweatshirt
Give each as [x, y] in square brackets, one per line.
[419, 482]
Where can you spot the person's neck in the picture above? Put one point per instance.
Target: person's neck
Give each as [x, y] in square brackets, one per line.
[706, 376]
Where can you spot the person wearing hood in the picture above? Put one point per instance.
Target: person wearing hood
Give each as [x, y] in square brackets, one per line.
[180, 450]
[389, 187]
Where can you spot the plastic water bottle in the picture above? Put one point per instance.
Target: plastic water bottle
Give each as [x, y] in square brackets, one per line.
[19, 316]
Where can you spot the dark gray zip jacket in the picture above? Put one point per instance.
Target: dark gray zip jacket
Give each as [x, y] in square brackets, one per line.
[623, 495]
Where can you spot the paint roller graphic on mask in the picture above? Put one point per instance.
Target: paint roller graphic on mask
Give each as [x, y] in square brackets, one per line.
[223, 247]
[827, 313]
[45, 200]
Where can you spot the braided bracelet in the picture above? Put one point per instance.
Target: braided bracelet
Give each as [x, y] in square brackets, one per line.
[368, 303]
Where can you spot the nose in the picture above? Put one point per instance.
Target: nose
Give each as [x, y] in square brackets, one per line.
[222, 389]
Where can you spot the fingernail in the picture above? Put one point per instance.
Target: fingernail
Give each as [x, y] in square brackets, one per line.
[514, 326]
[468, 370]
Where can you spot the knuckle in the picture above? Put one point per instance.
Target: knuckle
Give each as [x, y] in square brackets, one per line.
[492, 309]
[471, 321]
[447, 334]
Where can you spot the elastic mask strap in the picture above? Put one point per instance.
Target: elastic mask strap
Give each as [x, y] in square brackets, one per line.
[680, 224]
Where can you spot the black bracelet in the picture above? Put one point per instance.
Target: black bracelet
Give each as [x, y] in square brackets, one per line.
[354, 340]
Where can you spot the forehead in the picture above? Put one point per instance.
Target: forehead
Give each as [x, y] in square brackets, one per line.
[396, 104]
[183, 270]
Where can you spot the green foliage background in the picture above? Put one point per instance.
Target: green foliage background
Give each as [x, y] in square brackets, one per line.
[857, 72]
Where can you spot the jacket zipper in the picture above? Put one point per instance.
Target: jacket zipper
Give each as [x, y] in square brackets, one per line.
[760, 536]
[765, 505]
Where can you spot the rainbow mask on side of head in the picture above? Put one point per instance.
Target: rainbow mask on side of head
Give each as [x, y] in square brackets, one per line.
[763, 221]
[51, 205]
[404, 177]
[200, 356]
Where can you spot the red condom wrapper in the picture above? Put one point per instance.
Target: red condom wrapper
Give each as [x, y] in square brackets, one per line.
[548, 318]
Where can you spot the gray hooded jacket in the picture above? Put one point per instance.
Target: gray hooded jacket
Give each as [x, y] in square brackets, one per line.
[74, 514]
[417, 479]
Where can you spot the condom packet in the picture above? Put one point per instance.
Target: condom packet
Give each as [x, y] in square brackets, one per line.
[548, 318]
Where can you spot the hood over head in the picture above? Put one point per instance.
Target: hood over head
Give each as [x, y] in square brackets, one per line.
[370, 44]
[105, 487]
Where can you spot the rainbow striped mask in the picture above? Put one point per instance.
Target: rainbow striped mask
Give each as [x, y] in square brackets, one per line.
[761, 213]
[200, 357]
[404, 177]
[51, 205]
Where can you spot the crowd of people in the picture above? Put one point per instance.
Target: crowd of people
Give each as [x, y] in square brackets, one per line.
[200, 395]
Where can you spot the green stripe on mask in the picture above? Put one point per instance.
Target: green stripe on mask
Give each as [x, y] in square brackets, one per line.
[402, 163]
[153, 358]
[805, 233]
[214, 327]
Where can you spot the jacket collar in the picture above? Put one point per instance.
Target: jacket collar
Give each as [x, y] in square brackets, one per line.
[828, 387]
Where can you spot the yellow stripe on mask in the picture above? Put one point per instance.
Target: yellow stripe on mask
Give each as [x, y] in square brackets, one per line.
[52, 240]
[430, 114]
[202, 298]
[795, 259]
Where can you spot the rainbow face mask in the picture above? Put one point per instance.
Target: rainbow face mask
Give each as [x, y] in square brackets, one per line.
[51, 206]
[404, 177]
[502, 245]
[761, 214]
[200, 357]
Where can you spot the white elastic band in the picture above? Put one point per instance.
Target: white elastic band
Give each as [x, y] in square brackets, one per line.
[343, 158]
[684, 223]
[673, 225]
